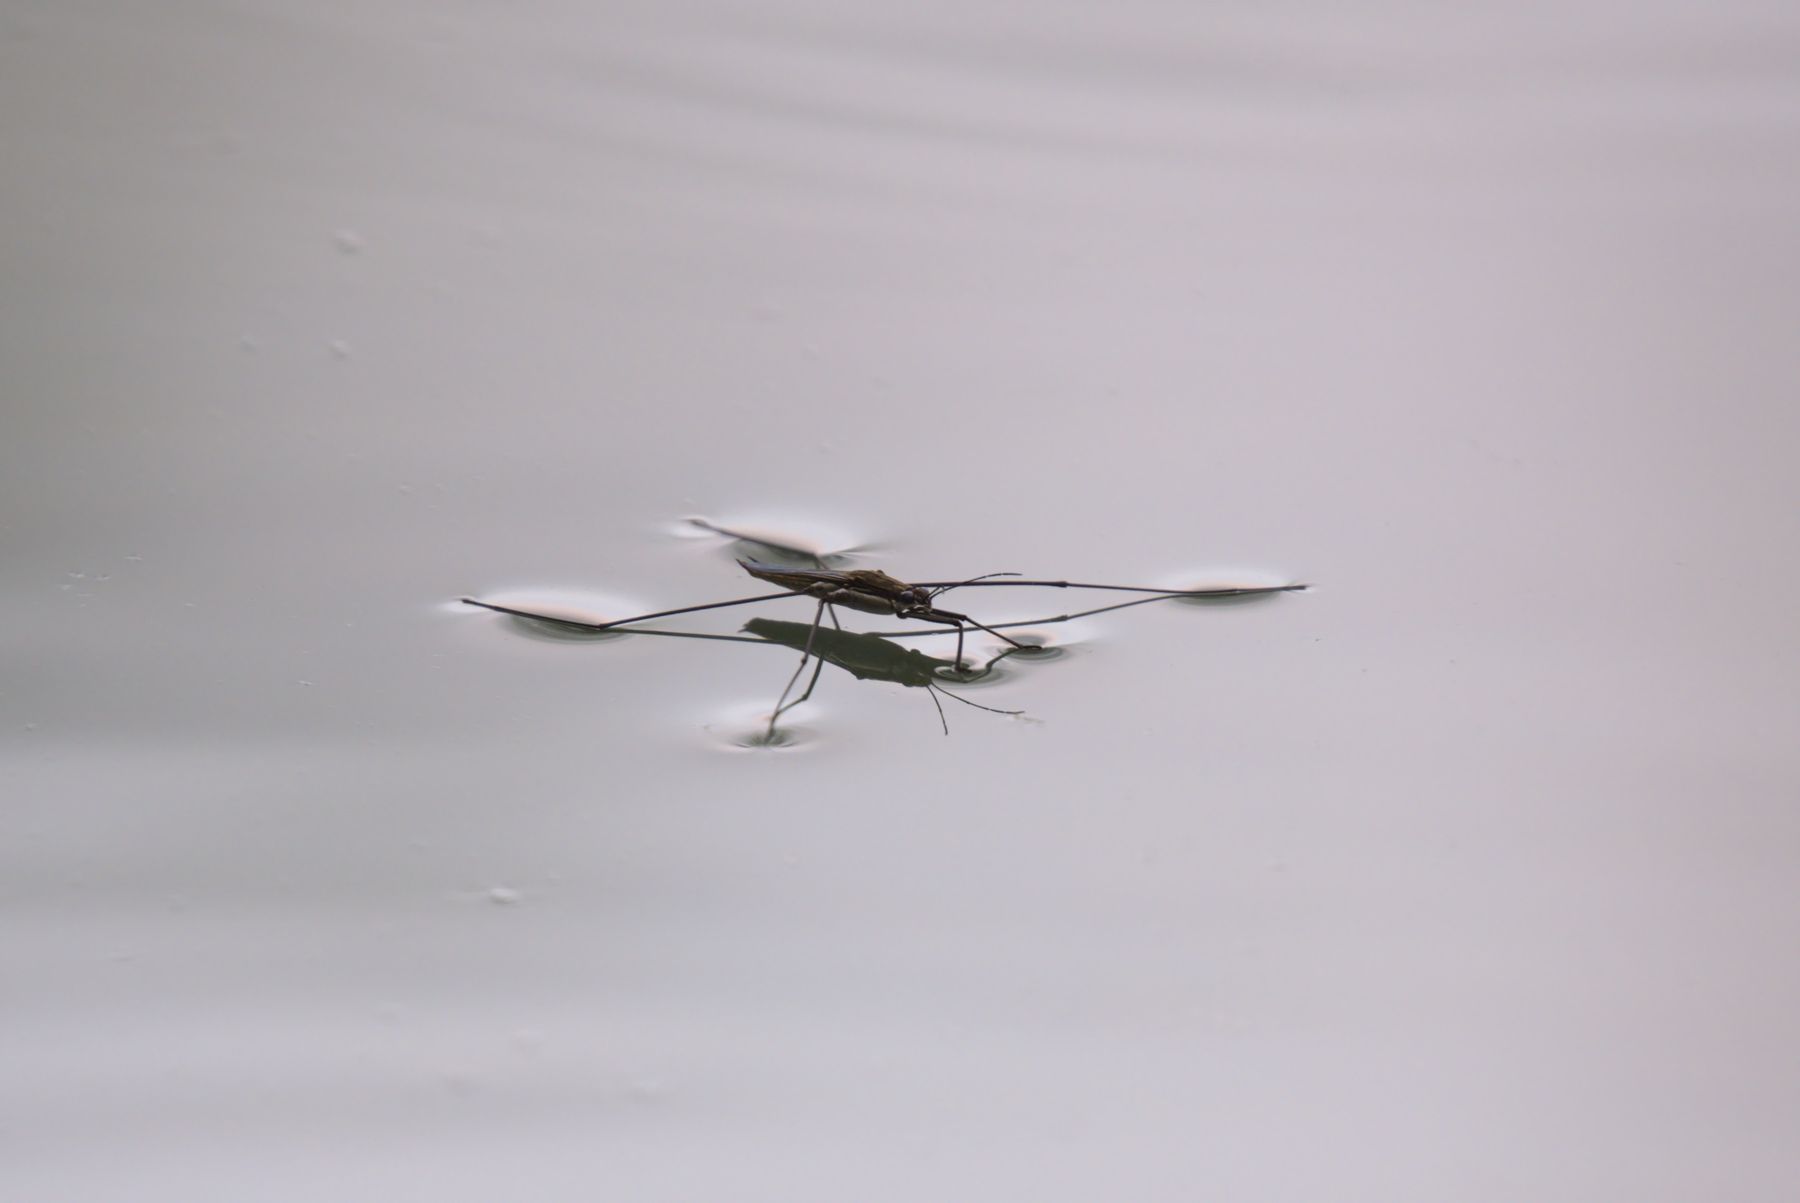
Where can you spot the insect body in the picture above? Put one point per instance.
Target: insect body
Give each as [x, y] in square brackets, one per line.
[866, 589]
[872, 592]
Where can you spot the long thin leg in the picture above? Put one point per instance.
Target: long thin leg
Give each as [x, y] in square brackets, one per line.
[923, 632]
[557, 620]
[962, 618]
[818, 667]
[818, 664]
[619, 622]
[818, 661]
[805, 655]
[989, 630]
[567, 622]
[1250, 591]
[951, 618]
[977, 583]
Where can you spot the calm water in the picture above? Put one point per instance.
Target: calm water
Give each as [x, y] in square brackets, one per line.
[1468, 875]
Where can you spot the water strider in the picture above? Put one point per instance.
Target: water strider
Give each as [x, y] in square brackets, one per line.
[875, 592]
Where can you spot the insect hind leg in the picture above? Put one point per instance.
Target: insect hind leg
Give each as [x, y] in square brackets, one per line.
[782, 705]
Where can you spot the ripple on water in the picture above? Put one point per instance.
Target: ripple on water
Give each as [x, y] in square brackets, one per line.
[798, 542]
[746, 729]
[998, 666]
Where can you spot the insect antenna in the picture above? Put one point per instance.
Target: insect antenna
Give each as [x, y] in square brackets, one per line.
[986, 576]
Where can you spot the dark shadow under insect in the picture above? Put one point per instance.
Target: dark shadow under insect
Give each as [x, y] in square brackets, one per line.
[869, 658]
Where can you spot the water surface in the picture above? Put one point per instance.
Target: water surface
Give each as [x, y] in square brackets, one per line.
[1460, 877]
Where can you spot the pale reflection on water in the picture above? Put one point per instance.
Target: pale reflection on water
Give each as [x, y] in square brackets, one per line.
[1455, 879]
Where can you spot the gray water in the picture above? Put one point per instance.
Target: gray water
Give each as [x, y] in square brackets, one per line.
[1467, 875]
